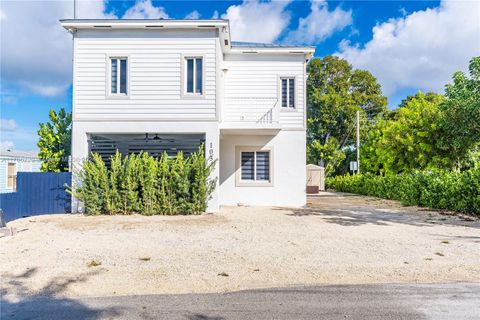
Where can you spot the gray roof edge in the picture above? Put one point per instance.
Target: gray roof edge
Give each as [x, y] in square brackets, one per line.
[19, 153]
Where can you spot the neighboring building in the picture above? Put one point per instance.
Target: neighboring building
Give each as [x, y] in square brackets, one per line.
[13, 161]
[169, 85]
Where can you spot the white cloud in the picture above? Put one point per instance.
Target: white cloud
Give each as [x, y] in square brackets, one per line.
[193, 15]
[215, 15]
[6, 144]
[422, 49]
[35, 49]
[257, 21]
[319, 24]
[8, 124]
[144, 9]
[93, 9]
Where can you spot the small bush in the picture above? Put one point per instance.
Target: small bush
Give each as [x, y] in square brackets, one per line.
[145, 184]
[455, 191]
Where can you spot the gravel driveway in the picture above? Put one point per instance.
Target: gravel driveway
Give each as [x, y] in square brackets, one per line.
[338, 239]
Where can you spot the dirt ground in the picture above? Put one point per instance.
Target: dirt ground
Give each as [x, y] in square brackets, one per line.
[338, 239]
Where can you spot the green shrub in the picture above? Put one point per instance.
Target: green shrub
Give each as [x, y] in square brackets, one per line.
[456, 191]
[145, 184]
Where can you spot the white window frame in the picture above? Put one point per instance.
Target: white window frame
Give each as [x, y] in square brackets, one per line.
[295, 93]
[15, 174]
[119, 57]
[184, 77]
[239, 182]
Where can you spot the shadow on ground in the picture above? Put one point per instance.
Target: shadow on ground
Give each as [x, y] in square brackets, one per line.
[18, 303]
[354, 210]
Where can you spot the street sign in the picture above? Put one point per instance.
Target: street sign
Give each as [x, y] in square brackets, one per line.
[353, 166]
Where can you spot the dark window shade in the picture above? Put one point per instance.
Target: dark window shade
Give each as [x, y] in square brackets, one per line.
[123, 76]
[114, 75]
[263, 166]
[247, 165]
[291, 93]
[284, 93]
[190, 75]
[198, 75]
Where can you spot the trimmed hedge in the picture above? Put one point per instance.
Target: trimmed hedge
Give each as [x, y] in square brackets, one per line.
[453, 191]
[145, 184]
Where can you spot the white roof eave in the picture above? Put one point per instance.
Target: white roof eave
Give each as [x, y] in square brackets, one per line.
[279, 50]
[75, 24]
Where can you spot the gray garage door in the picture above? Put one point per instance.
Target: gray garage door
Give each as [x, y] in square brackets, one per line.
[153, 143]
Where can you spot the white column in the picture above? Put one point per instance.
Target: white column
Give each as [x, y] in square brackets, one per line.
[79, 153]
[212, 149]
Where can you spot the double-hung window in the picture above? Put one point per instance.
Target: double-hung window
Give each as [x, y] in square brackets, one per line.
[288, 92]
[255, 166]
[118, 76]
[193, 77]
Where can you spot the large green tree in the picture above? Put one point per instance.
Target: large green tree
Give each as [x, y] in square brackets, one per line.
[335, 92]
[429, 131]
[55, 141]
[407, 140]
[460, 123]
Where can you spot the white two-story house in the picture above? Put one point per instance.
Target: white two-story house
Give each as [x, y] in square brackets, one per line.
[171, 85]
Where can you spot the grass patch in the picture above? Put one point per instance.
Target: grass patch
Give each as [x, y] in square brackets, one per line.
[144, 259]
[445, 242]
[428, 259]
[439, 254]
[94, 263]
[223, 274]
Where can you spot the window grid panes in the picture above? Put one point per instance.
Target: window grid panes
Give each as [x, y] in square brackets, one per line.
[255, 166]
[248, 164]
[118, 75]
[194, 76]
[288, 92]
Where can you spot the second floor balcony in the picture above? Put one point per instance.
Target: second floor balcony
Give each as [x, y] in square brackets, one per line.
[250, 113]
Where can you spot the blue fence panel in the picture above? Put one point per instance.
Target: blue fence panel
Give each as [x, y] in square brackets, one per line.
[10, 206]
[37, 193]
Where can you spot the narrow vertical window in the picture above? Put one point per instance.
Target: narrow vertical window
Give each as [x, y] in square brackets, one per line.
[190, 63]
[288, 92]
[12, 176]
[194, 76]
[123, 76]
[291, 93]
[263, 166]
[198, 76]
[118, 76]
[284, 93]
[114, 75]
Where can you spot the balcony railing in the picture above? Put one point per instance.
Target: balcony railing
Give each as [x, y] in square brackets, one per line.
[251, 110]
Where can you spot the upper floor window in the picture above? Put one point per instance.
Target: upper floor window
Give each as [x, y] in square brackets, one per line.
[288, 92]
[118, 76]
[194, 75]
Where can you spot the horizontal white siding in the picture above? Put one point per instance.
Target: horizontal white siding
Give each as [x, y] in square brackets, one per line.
[154, 58]
[22, 165]
[252, 86]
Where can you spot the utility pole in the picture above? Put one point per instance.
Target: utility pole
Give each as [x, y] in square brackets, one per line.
[74, 9]
[358, 141]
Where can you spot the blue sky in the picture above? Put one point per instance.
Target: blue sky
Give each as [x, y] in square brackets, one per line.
[407, 45]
